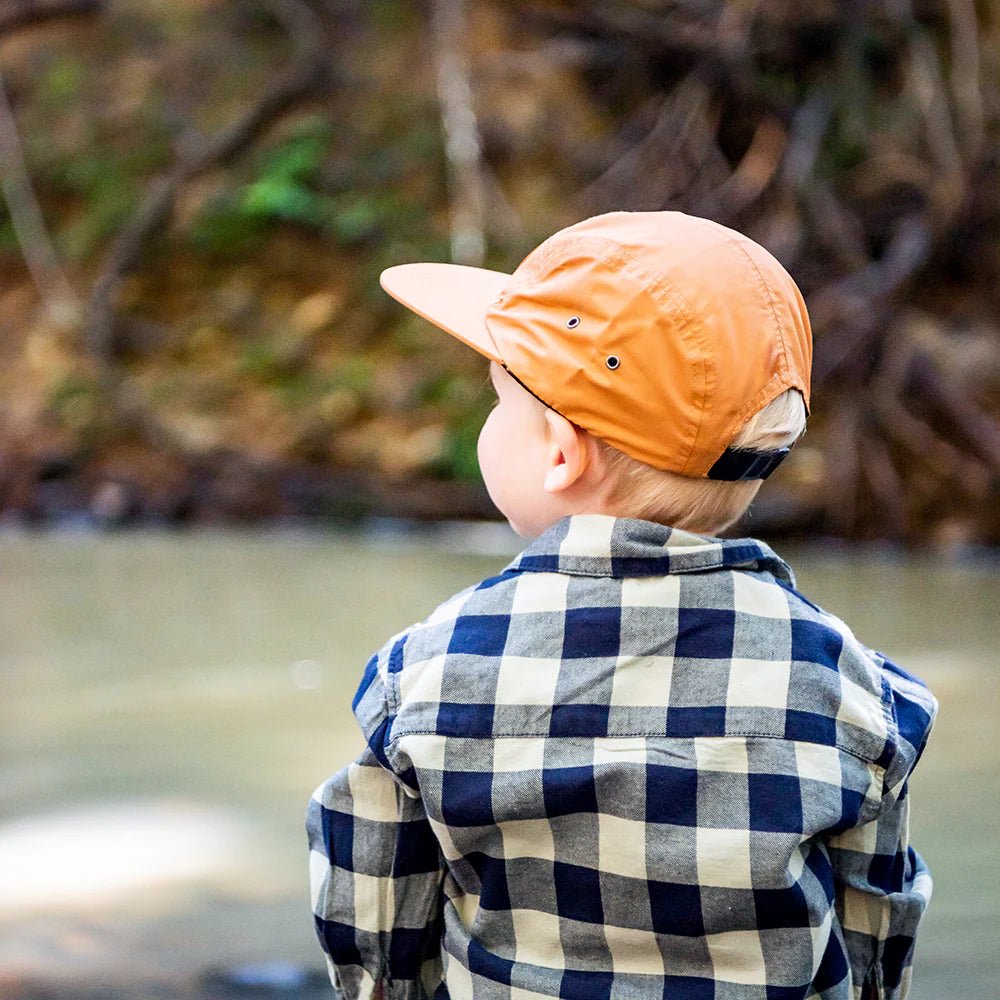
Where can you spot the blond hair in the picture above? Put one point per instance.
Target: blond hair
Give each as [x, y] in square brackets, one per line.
[703, 506]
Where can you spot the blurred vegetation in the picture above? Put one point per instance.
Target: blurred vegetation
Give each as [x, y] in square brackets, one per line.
[221, 185]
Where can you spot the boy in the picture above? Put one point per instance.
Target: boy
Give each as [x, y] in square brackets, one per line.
[637, 762]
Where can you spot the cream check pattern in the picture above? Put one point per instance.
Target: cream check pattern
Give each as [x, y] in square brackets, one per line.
[635, 763]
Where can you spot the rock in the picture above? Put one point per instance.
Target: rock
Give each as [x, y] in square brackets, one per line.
[112, 503]
[268, 979]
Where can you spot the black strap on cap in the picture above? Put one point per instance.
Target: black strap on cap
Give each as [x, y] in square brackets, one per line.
[738, 464]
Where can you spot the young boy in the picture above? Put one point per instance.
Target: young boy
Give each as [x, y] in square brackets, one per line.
[637, 762]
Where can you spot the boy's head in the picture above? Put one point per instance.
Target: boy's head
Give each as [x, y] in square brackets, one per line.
[648, 364]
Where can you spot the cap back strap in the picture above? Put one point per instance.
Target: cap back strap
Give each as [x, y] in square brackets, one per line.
[738, 464]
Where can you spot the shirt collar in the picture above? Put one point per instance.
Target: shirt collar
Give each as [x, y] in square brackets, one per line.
[601, 545]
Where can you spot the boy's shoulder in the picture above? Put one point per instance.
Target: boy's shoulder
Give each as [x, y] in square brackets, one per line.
[625, 627]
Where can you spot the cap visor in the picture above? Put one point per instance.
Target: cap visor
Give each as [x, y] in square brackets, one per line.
[454, 297]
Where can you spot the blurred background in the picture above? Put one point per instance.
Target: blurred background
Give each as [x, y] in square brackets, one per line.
[219, 438]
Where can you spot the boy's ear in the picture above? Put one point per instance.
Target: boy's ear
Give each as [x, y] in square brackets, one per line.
[568, 453]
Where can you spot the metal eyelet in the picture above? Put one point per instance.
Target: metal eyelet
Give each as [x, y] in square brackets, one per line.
[573, 322]
[613, 361]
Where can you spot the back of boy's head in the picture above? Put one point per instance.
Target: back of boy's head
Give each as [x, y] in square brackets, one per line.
[681, 345]
[703, 505]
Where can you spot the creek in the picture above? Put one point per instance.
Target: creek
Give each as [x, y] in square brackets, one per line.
[169, 701]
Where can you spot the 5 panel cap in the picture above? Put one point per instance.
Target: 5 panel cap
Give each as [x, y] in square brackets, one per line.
[659, 332]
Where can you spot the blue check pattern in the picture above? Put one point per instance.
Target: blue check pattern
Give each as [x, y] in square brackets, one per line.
[637, 763]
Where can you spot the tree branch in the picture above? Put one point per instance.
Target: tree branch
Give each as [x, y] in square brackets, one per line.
[26, 217]
[463, 148]
[307, 70]
[22, 13]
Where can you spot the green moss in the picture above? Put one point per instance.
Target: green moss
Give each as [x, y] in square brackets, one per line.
[392, 16]
[224, 229]
[81, 237]
[299, 390]
[269, 359]
[283, 188]
[108, 185]
[77, 402]
[355, 374]
[281, 198]
[362, 200]
[63, 81]
[8, 236]
[780, 86]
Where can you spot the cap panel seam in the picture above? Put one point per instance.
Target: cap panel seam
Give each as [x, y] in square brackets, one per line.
[667, 293]
[752, 405]
[770, 299]
[705, 361]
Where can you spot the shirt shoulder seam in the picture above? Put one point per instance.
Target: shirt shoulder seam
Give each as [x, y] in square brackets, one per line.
[863, 758]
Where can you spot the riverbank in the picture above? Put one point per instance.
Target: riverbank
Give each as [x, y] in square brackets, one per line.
[191, 324]
[264, 982]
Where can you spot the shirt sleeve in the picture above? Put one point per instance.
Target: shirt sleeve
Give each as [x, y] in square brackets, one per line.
[882, 884]
[375, 867]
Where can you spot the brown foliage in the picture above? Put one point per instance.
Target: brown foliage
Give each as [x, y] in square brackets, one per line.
[859, 142]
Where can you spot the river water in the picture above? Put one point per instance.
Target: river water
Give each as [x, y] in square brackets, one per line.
[170, 701]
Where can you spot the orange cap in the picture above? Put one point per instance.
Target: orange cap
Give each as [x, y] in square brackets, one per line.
[659, 332]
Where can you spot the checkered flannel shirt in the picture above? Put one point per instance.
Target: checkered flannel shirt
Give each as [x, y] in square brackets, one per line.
[636, 763]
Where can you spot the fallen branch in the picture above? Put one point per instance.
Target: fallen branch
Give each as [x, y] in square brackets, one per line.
[978, 432]
[658, 151]
[22, 13]
[964, 78]
[885, 485]
[926, 80]
[26, 217]
[751, 177]
[837, 227]
[841, 495]
[927, 448]
[858, 304]
[659, 33]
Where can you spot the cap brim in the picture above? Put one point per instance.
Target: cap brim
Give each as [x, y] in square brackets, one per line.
[454, 297]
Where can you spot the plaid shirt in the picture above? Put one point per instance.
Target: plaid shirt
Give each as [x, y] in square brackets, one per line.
[636, 763]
